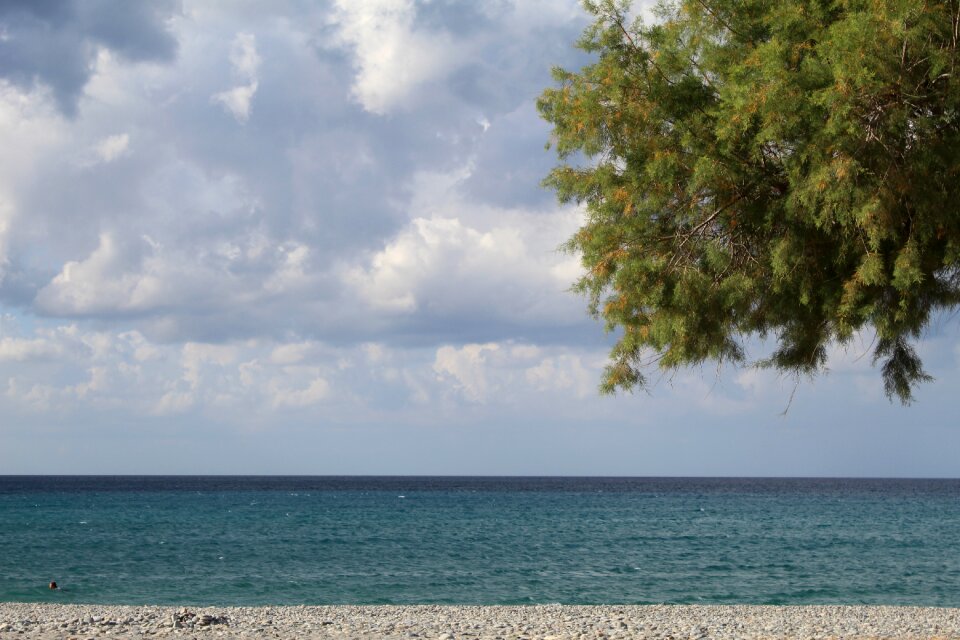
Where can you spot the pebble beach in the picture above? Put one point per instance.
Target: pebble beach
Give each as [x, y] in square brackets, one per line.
[670, 622]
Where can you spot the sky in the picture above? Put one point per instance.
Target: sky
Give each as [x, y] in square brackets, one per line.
[310, 238]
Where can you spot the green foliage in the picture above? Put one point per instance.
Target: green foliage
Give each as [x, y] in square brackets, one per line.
[756, 168]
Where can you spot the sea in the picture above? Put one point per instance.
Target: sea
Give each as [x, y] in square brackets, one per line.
[478, 540]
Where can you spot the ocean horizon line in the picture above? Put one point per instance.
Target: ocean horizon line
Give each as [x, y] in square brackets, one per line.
[471, 476]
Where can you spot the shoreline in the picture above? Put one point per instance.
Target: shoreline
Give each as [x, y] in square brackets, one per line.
[449, 622]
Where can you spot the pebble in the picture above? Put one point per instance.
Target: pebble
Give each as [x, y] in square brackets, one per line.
[549, 622]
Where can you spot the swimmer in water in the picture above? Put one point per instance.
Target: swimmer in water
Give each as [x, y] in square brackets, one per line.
[53, 584]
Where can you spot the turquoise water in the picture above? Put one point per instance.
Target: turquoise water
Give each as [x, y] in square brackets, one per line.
[321, 540]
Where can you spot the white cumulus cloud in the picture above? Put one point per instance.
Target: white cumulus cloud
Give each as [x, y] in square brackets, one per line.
[456, 256]
[467, 366]
[393, 58]
[99, 282]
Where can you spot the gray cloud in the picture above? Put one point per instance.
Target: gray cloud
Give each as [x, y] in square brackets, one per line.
[54, 42]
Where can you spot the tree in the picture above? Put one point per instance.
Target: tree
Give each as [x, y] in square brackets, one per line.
[785, 169]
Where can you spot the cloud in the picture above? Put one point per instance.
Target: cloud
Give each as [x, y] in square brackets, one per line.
[309, 392]
[393, 58]
[28, 350]
[112, 147]
[61, 367]
[462, 263]
[30, 132]
[284, 395]
[292, 353]
[6, 215]
[565, 372]
[466, 366]
[102, 282]
[98, 381]
[246, 63]
[66, 368]
[434, 258]
[512, 372]
[56, 43]
[196, 355]
[205, 228]
[184, 293]
[237, 100]
[244, 57]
